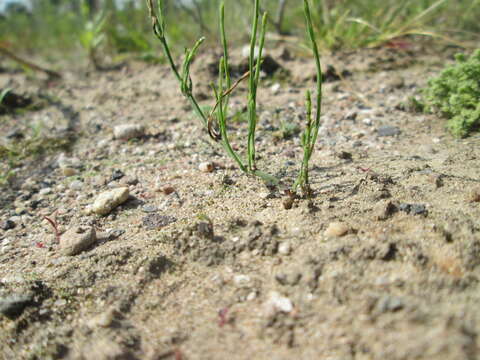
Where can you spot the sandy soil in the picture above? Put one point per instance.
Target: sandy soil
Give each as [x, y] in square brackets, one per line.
[382, 262]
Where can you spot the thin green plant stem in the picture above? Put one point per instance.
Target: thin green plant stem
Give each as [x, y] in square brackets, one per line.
[254, 68]
[309, 137]
[228, 81]
[222, 117]
[158, 23]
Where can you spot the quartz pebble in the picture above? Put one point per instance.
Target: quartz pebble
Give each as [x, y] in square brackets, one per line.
[277, 303]
[128, 131]
[206, 167]
[284, 248]
[108, 200]
[336, 229]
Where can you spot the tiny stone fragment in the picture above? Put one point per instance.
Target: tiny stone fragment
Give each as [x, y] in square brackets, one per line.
[68, 171]
[128, 131]
[284, 248]
[116, 175]
[108, 200]
[206, 167]
[13, 305]
[384, 209]
[336, 229]
[7, 225]
[149, 208]
[77, 239]
[277, 303]
[388, 130]
[475, 195]
[157, 221]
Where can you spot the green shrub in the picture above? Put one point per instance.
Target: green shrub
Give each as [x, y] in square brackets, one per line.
[455, 94]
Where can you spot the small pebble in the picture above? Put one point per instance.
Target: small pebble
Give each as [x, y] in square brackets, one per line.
[45, 191]
[7, 225]
[148, 208]
[167, 190]
[65, 162]
[474, 195]
[76, 185]
[108, 200]
[336, 229]
[285, 248]
[103, 320]
[277, 303]
[241, 280]
[13, 305]
[384, 209]
[390, 304]
[206, 167]
[275, 88]
[68, 171]
[388, 130]
[128, 131]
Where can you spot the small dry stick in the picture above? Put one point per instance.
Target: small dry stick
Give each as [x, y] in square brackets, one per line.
[51, 74]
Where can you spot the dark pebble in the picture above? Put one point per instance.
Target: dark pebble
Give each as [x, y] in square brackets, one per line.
[157, 221]
[413, 209]
[12, 306]
[388, 130]
[117, 175]
[418, 209]
[7, 225]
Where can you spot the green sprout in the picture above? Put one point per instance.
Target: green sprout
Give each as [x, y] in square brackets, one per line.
[224, 84]
[93, 35]
[455, 94]
[309, 136]
[218, 114]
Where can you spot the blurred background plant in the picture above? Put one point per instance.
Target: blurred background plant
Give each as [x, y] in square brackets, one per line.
[121, 29]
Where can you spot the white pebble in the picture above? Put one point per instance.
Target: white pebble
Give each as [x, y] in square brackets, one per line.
[128, 131]
[336, 229]
[275, 88]
[108, 200]
[285, 248]
[76, 185]
[241, 280]
[277, 303]
[206, 167]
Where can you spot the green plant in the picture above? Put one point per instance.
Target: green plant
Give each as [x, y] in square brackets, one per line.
[224, 87]
[309, 136]
[455, 94]
[93, 34]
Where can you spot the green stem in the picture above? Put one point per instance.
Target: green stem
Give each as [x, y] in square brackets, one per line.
[222, 118]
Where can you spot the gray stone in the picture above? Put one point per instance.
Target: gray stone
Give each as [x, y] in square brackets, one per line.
[77, 239]
[7, 225]
[148, 208]
[388, 130]
[128, 131]
[109, 200]
[76, 185]
[13, 305]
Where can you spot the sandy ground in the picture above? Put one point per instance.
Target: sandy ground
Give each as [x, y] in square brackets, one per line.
[381, 263]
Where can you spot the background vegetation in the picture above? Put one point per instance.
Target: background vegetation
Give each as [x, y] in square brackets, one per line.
[63, 25]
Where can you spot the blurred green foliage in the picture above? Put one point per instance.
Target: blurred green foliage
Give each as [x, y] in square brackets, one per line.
[455, 93]
[53, 26]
